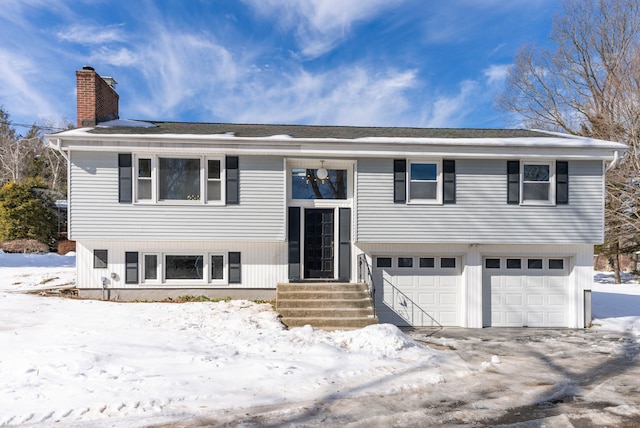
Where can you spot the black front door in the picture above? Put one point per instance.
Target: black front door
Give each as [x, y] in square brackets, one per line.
[318, 243]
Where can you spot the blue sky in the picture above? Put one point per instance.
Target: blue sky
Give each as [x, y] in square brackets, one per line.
[422, 63]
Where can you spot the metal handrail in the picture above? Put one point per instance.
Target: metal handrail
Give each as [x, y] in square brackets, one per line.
[413, 305]
[365, 275]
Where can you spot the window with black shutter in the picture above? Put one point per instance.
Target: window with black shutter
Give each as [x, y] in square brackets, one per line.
[449, 182]
[399, 181]
[562, 182]
[235, 271]
[125, 175]
[131, 268]
[513, 182]
[233, 182]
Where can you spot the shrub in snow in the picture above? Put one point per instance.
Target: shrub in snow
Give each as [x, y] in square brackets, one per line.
[65, 247]
[27, 213]
[25, 246]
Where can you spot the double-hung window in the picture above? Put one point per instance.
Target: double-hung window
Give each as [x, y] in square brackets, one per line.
[537, 180]
[425, 182]
[179, 179]
[144, 183]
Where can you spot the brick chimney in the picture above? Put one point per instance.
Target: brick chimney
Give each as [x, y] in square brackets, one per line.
[97, 98]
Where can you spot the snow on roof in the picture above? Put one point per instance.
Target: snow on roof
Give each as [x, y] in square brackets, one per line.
[125, 123]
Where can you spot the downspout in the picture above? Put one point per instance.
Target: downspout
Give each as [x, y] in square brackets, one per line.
[57, 145]
[614, 162]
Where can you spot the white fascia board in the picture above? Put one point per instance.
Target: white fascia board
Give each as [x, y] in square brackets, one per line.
[522, 147]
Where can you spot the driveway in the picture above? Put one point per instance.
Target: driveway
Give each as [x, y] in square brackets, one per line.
[557, 377]
[521, 377]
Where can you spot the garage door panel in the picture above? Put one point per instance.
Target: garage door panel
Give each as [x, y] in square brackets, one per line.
[425, 281]
[427, 299]
[535, 282]
[513, 318]
[556, 300]
[557, 318]
[512, 282]
[535, 319]
[448, 299]
[534, 297]
[449, 318]
[449, 281]
[511, 299]
[403, 281]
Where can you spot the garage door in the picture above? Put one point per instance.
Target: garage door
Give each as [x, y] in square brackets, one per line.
[525, 292]
[418, 291]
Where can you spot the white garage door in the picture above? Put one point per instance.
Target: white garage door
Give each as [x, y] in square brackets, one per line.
[525, 292]
[418, 291]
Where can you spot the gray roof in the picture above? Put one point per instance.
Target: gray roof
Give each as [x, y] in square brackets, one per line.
[312, 131]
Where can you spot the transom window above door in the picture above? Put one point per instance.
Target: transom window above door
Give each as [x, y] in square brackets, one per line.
[321, 183]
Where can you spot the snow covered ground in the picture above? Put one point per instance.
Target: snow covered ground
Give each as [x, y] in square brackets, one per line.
[69, 362]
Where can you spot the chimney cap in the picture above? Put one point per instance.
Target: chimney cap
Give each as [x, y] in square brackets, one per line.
[110, 81]
[88, 67]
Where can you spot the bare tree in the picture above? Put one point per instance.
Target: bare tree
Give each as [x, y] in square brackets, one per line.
[25, 157]
[588, 83]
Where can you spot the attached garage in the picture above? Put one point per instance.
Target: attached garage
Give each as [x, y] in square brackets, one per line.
[418, 291]
[526, 292]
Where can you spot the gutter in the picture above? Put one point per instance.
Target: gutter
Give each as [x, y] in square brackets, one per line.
[57, 146]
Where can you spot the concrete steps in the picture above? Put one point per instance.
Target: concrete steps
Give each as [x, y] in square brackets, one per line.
[325, 305]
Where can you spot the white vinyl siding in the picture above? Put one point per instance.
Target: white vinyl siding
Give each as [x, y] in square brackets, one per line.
[96, 214]
[263, 265]
[481, 214]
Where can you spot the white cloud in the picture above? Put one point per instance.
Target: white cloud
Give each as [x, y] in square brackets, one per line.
[91, 34]
[347, 96]
[319, 25]
[121, 57]
[180, 71]
[450, 111]
[22, 98]
[496, 73]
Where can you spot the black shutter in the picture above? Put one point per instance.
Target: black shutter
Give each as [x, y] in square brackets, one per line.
[234, 268]
[344, 245]
[233, 182]
[294, 243]
[399, 181]
[513, 182]
[125, 174]
[449, 183]
[562, 182]
[131, 268]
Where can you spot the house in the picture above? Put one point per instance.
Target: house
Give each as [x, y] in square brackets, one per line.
[452, 227]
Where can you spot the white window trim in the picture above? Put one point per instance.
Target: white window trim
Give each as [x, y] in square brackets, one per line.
[159, 268]
[136, 165]
[204, 180]
[225, 270]
[524, 268]
[220, 180]
[206, 268]
[439, 180]
[552, 183]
